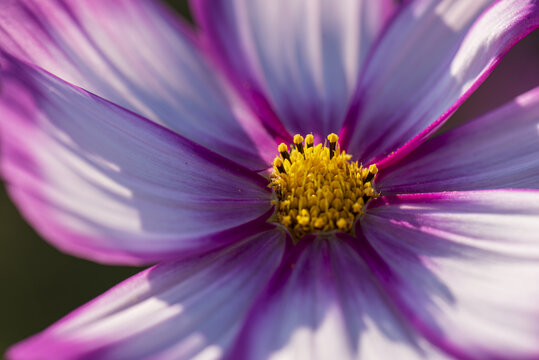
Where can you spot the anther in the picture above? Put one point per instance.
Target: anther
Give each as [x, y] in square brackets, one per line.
[368, 190]
[373, 170]
[309, 140]
[283, 150]
[341, 223]
[287, 221]
[278, 163]
[304, 218]
[358, 205]
[333, 138]
[298, 141]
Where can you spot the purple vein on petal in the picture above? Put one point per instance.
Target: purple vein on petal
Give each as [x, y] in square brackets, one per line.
[461, 267]
[127, 189]
[323, 303]
[433, 56]
[300, 68]
[180, 309]
[140, 56]
[499, 150]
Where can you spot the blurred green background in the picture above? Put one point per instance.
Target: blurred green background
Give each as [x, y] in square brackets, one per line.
[39, 284]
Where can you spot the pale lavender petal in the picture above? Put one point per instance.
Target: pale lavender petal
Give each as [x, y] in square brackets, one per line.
[323, 303]
[297, 61]
[105, 184]
[433, 56]
[462, 267]
[140, 56]
[500, 150]
[180, 310]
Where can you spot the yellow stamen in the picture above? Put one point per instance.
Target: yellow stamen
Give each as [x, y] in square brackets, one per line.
[278, 165]
[283, 150]
[341, 223]
[319, 189]
[371, 173]
[298, 141]
[304, 218]
[333, 138]
[309, 140]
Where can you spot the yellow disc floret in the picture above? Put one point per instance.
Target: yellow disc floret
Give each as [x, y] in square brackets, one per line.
[318, 188]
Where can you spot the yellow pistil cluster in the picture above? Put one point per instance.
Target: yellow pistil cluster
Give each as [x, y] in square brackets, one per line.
[318, 188]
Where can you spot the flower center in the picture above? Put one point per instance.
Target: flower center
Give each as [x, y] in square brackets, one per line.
[318, 188]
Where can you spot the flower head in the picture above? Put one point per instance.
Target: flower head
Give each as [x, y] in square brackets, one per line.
[278, 164]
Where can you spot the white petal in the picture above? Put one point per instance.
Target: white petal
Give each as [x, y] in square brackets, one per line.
[463, 267]
[500, 150]
[323, 303]
[105, 184]
[140, 56]
[295, 60]
[433, 56]
[181, 310]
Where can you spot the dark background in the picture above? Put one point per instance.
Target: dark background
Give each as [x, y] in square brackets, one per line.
[39, 284]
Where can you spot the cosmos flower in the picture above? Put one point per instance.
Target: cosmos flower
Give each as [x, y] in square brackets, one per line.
[128, 137]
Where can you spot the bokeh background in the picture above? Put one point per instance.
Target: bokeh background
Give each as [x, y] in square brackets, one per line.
[39, 284]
